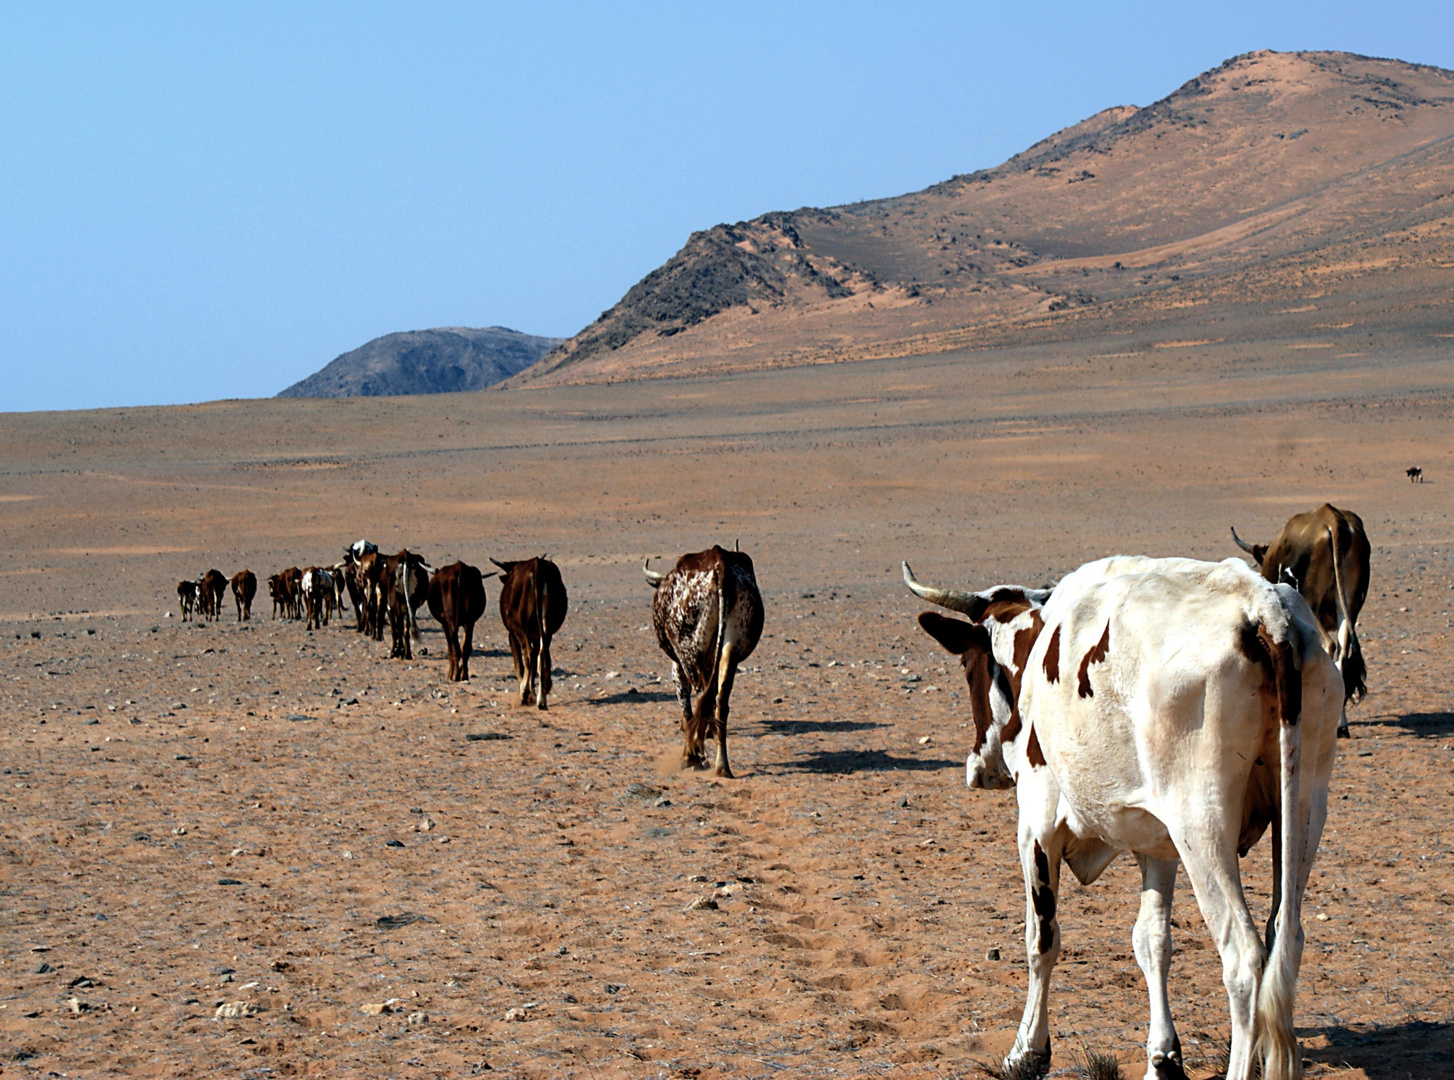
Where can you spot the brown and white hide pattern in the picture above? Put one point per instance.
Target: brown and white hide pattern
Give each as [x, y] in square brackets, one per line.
[1172, 708]
[187, 598]
[708, 615]
[317, 591]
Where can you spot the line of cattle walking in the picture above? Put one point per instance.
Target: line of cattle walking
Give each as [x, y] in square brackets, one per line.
[1170, 707]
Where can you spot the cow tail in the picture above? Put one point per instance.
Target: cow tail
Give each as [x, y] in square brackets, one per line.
[542, 654]
[1276, 1040]
[1350, 653]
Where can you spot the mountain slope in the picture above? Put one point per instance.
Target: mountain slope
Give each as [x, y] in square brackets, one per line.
[1239, 188]
[426, 362]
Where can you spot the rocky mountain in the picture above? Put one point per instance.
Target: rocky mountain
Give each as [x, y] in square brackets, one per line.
[1269, 189]
[426, 362]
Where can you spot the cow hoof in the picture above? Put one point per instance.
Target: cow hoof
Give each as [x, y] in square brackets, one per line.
[1165, 1067]
[725, 773]
[1345, 733]
[1030, 1065]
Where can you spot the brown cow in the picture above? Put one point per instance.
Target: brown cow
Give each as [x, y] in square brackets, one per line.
[532, 606]
[708, 616]
[244, 588]
[210, 591]
[187, 598]
[457, 600]
[399, 576]
[1302, 556]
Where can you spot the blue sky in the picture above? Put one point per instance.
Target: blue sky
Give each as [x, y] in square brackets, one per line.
[209, 201]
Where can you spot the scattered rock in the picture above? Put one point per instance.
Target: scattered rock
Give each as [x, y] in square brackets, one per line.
[43, 969]
[280, 965]
[424, 826]
[297, 717]
[228, 881]
[237, 1010]
[377, 1008]
[992, 954]
[394, 843]
[404, 918]
[486, 736]
[702, 903]
[638, 790]
[517, 1014]
[78, 1006]
[418, 1019]
[924, 740]
[350, 701]
[697, 877]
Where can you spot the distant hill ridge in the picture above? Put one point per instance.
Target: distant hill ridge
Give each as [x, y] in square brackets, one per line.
[441, 361]
[1275, 175]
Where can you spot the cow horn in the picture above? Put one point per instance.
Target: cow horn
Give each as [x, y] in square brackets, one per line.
[966, 603]
[501, 565]
[1242, 543]
[736, 543]
[486, 577]
[651, 575]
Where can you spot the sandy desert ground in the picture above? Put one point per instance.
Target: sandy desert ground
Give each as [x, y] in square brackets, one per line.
[385, 865]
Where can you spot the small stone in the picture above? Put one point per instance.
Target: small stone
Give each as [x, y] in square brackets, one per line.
[348, 854]
[992, 954]
[376, 1008]
[1322, 916]
[180, 830]
[516, 1014]
[425, 826]
[697, 877]
[43, 969]
[237, 1010]
[77, 1006]
[280, 965]
[394, 843]
[418, 1019]
[228, 881]
[924, 740]
[702, 903]
[444, 840]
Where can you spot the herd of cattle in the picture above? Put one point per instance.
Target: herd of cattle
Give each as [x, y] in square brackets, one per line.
[1170, 707]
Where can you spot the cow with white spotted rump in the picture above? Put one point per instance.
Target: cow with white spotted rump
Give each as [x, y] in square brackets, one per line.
[707, 613]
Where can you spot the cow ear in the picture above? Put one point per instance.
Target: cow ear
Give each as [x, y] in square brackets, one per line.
[1259, 552]
[955, 635]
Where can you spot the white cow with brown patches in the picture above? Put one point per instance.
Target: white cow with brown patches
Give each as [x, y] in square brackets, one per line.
[1171, 708]
[707, 613]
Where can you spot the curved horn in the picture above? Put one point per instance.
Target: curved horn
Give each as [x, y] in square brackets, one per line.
[1243, 544]
[736, 543]
[651, 575]
[501, 565]
[966, 603]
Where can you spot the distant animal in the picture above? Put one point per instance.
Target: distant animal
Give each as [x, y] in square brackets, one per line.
[293, 590]
[366, 570]
[399, 576]
[339, 572]
[707, 614]
[244, 588]
[1302, 555]
[457, 600]
[317, 594]
[210, 590]
[1414, 474]
[187, 598]
[279, 592]
[532, 606]
[1174, 709]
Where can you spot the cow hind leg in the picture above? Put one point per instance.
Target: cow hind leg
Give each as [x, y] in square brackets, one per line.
[1151, 941]
[465, 650]
[542, 673]
[726, 672]
[1208, 849]
[692, 741]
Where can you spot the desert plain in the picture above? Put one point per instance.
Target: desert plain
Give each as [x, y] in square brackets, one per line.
[390, 875]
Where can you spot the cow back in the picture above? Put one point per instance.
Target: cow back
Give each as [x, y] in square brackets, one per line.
[457, 594]
[528, 587]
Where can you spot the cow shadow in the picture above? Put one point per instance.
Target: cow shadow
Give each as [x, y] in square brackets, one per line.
[1422, 724]
[847, 762]
[630, 696]
[1414, 1048]
[803, 727]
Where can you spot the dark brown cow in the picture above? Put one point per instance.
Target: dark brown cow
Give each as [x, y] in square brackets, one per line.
[210, 591]
[708, 616]
[400, 575]
[1302, 556]
[187, 598]
[532, 606]
[457, 600]
[244, 588]
[293, 589]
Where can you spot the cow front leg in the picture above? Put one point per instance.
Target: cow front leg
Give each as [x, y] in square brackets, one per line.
[1151, 941]
[1040, 861]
